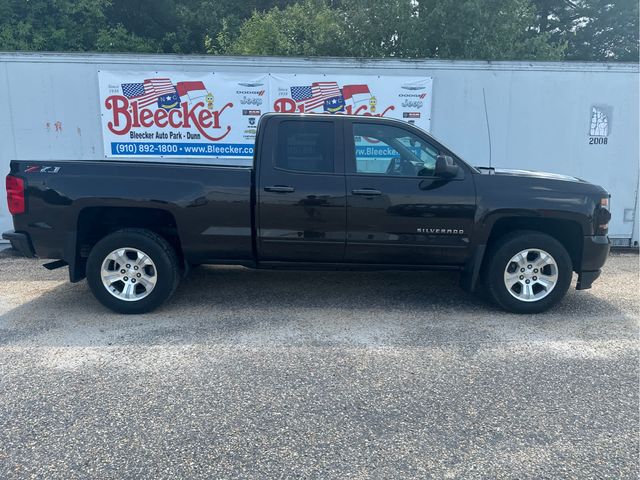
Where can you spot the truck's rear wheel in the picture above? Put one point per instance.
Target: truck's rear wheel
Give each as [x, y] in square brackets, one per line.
[132, 271]
[528, 272]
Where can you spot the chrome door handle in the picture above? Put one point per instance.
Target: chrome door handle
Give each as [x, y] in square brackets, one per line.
[366, 191]
[279, 189]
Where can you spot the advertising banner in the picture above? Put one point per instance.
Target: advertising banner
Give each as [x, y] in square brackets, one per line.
[215, 115]
[180, 114]
[403, 98]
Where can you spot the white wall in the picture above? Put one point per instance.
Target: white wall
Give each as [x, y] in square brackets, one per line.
[539, 113]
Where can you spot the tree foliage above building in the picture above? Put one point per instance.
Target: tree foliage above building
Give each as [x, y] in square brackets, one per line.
[588, 30]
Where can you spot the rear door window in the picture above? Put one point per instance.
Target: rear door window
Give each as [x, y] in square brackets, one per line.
[305, 146]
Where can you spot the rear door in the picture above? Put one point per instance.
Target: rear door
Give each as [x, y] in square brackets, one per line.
[301, 205]
[398, 211]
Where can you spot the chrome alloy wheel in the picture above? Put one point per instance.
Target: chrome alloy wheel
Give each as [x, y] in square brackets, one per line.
[128, 274]
[531, 275]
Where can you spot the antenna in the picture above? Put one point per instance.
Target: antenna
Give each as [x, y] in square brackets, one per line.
[486, 116]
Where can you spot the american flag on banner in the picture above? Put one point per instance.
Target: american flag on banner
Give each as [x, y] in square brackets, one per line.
[147, 92]
[313, 96]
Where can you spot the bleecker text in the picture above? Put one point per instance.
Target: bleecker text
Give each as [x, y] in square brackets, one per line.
[128, 115]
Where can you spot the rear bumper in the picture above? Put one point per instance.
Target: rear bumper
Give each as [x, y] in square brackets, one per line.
[595, 251]
[21, 242]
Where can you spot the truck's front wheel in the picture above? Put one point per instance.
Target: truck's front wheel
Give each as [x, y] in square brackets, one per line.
[132, 271]
[528, 272]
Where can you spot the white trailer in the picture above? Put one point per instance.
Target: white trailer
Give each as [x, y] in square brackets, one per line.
[580, 119]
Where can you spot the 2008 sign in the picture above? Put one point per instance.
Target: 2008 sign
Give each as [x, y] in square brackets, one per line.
[598, 140]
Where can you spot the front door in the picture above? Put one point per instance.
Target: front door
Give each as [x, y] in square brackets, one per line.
[301, 214]
[398, 211]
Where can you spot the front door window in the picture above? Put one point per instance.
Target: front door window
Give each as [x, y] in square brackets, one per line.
[388, 150]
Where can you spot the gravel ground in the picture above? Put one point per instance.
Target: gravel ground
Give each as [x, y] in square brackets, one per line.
[258, 374]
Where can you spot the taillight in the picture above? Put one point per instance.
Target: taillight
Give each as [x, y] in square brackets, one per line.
[602, 216]
[15, 195]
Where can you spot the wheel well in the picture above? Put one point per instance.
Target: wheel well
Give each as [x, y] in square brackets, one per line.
[567, 232]
[94, 223]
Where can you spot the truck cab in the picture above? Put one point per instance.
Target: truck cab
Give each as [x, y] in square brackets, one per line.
[361, 190]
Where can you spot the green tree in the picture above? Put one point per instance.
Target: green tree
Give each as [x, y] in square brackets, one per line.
[170, 26]
[118, 39]
[482, 29]
[471, 29]
[456, 29]
[309, 28]
[219, 35]
[181, 26]
[384, 28]
[592, 29]
[59, 25]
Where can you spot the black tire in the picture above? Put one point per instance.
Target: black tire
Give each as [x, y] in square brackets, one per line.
[505, 249]
[156, 248]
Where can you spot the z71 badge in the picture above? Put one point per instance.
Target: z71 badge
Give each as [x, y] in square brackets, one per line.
[41, 169]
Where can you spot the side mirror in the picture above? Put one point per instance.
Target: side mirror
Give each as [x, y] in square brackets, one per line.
[445, 167]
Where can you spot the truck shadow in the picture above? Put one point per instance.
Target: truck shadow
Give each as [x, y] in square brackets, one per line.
[236, 306]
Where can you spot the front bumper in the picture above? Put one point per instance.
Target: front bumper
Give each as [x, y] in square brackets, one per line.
[595, 250]
[21, 242]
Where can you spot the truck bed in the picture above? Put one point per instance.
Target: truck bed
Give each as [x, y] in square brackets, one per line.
[208, 206]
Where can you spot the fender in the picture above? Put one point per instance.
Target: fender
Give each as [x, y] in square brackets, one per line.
[486, 220]
[511, 219]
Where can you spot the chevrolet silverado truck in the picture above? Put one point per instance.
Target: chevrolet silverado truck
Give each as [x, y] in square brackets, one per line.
[324, 192]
